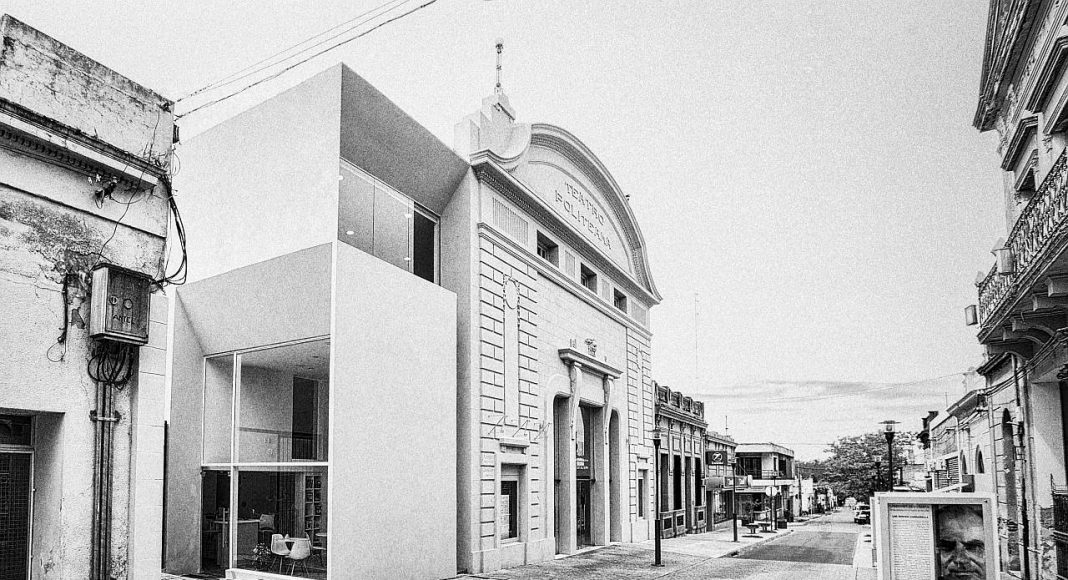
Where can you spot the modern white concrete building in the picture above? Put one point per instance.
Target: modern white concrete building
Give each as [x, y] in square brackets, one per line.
[84, 157]
[555, 396]
[314, 376]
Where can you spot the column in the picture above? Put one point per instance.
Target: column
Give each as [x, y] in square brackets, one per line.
[567, 542]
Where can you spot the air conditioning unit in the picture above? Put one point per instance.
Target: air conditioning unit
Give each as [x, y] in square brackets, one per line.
[1005, 261]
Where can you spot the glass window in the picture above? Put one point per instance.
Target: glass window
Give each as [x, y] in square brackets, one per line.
[642, 500]
[548, 250]
[15, 430]
[584, 442]
[284, 404]
[281, 519]
[509, 510]
[588, 278]
[218, 408]
[620, 300]
[264, 505]
[385, 223]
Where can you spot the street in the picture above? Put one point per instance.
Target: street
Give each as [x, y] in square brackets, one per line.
[820, 549]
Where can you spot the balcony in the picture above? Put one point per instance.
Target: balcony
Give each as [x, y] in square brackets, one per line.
[1035, 239]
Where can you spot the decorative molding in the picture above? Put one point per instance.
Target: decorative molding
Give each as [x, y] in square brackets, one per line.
[1047, 78]
[574, 357]
[1021, 136]
[504, 184]
[23, 131]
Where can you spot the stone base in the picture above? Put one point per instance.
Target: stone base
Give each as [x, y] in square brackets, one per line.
[514, 554]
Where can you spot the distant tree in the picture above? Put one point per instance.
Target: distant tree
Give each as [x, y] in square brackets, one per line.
[850, 468]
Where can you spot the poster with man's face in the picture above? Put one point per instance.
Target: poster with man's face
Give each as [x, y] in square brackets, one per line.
[960, 542]
[935, 536]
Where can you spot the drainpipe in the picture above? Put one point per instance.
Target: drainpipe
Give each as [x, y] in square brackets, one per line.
[1023, 400]
[110, 367]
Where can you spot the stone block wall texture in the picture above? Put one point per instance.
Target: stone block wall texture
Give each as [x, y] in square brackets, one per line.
[550, 316]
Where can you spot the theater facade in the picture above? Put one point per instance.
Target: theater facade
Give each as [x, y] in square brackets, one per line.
[555, 397]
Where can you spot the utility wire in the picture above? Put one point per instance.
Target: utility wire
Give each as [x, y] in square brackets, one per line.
[248, 70]
[298, 63]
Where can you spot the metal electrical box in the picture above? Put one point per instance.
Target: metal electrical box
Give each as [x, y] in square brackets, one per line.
[119, 306]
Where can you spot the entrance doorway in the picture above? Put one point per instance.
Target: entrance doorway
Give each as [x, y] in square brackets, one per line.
[16, 474]
[582, 518]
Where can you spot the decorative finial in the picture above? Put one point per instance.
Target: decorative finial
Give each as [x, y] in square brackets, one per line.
[500, 49]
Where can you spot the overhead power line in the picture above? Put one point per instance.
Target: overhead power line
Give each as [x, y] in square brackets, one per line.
[306, 59]
[266, 62]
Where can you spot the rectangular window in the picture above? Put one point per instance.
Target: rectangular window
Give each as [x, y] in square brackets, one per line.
[588, 278]
[642, 500]
[15, 430]
[385, 223]
[548, 250]
[619, 300]
[264, 473]
[509, 510]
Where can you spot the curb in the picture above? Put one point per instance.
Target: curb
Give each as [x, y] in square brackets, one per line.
[734, 553]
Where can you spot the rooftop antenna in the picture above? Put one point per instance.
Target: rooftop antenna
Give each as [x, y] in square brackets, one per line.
[500, 49]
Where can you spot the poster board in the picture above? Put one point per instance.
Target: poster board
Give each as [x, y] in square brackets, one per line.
[931, 536]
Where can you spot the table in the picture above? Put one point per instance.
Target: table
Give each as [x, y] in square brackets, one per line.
[765, 527]
[752, 528]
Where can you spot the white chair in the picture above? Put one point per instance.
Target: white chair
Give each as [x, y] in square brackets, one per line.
[279, 549]
[299, 553]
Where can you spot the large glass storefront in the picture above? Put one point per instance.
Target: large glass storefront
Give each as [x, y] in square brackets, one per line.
[264, 493]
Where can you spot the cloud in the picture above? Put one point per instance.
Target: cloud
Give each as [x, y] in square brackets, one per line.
[808, 415]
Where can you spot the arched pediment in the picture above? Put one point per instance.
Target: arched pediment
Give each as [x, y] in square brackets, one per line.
[571, 181]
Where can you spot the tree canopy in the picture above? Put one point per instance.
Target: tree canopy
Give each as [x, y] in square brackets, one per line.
[850, 468]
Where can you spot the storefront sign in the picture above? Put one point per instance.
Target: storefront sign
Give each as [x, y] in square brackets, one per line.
[920, 536]
[581, 209]
[717, 457]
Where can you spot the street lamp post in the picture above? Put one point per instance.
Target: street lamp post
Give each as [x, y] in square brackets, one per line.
[774, 509]
[888, 432]
[656, 494]
[878, 470]
[734, 498]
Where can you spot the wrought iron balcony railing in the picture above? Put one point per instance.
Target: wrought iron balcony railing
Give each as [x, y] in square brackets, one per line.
[1039, 222]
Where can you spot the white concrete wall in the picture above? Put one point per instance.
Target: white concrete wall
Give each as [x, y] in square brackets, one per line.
[283, 299]
[393, 423]
[264, 183]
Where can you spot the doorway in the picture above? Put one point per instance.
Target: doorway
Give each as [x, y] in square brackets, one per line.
[582, 518]
[16, 477]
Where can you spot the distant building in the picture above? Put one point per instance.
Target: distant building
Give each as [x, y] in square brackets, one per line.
[769, 469]
[720, 479]
[84, 162]
[682, 477]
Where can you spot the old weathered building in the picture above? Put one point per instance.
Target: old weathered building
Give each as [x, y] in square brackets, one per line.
[681, 421]
[1021, 311]
[720, 479]
[84, 160]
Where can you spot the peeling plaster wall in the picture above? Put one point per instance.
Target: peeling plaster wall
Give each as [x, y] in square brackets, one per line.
[49, 225]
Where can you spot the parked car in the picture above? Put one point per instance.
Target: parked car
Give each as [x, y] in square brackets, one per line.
[862, 514]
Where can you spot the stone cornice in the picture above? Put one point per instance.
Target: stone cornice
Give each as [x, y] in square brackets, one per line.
[680, 415]
[1047, 78]
[1020, 136]
[586, 361]
[31, 134]
[516, 192]
[1008, 28]
[545, 269]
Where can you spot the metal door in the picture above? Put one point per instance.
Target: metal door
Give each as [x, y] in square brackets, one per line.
[15, 476]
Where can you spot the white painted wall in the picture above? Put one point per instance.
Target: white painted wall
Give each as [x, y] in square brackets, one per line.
[393, 428]
[264, 183]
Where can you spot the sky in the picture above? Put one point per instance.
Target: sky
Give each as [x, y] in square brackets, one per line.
[813, 197]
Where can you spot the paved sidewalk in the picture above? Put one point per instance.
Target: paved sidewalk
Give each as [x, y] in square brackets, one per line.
[717, 543]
